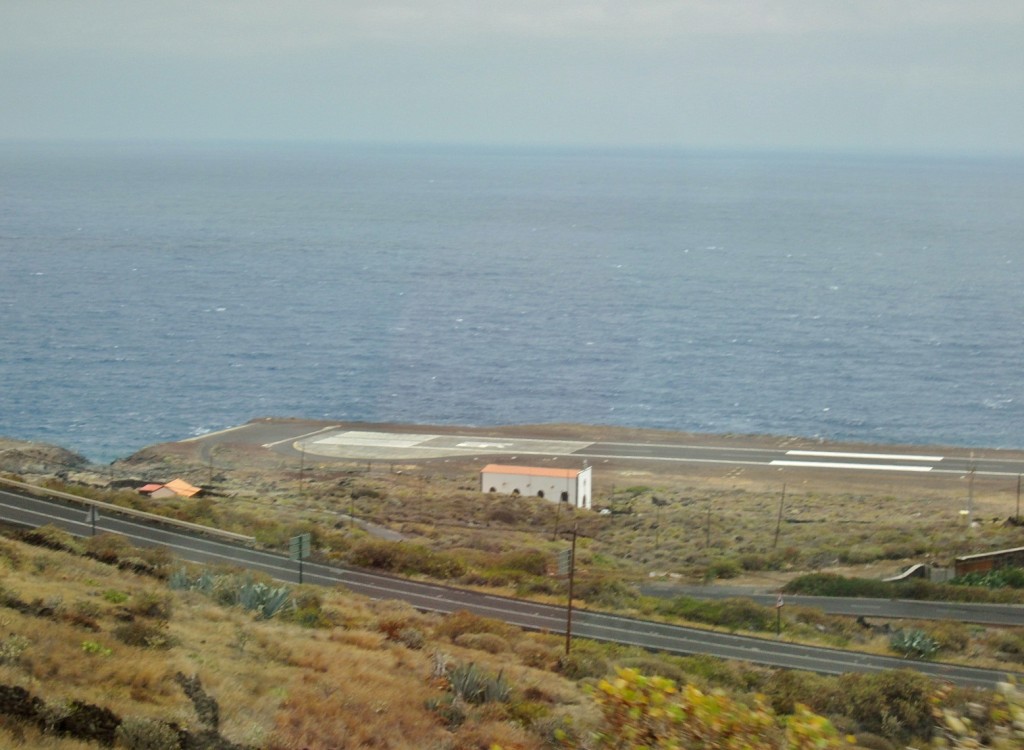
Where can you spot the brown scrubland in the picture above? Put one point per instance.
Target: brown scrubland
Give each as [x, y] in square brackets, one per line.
[93, 623]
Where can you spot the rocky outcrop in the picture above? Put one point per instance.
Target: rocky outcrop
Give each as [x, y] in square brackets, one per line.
[91, 723]
[25, 457]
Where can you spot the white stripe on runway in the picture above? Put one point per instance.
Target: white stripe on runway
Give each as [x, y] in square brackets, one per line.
[864, 467]
[883, 456]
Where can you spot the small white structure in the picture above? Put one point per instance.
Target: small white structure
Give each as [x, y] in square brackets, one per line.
[558, 485]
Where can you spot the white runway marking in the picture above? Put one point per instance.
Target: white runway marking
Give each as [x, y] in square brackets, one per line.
[298, 438]
[863, 467]
[376, 439]
[883, 456]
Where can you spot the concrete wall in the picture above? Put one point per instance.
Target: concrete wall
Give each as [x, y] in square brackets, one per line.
[576, 490]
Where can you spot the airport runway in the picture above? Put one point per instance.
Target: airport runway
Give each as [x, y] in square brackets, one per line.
[365, 443]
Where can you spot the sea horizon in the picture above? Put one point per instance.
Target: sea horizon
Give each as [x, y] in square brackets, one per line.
[157, 291]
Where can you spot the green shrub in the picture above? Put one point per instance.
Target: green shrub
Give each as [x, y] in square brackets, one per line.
[993, 579]
[1008, 644]
[894, 704]
[492, 644]
[410, 559]
[11, 649]
[364, 491]
[859, 554]
[533, 562]
[52, 537]
[143, 634]
[710, 671]
[92, 647]
[733, 614]
[655, 666]
[458, 623]
[152, 605]
[537, 654]
[604, 590]
[108, 548]
[544, 585]
[789, 687]
[476, 686]
[950, 635]
[579, 664]
[913, 642]
[637, 490]
[146, 734]
[754, 561]
[449, 709]
[725, 568]
[588, 658]
[115, 597]
[413, 638]
[830, 584]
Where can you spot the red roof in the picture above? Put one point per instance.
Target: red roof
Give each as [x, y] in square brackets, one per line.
[531, 471]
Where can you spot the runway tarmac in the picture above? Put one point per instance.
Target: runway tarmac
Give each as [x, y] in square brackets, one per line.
[384, 443]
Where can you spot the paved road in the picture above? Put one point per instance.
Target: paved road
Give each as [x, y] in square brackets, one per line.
[30, 511]
[888, 609]
[379, 443]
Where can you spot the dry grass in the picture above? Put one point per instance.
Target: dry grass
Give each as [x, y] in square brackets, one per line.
[278, 685]
[828, 522]
[366, 682]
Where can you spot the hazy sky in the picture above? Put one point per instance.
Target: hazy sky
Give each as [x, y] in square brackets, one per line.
[933, 75]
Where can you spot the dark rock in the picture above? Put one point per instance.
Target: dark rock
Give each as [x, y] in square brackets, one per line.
[88, 722]
[17, 701]
[206, 707]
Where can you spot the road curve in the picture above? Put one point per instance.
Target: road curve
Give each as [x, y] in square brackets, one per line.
[33, 511]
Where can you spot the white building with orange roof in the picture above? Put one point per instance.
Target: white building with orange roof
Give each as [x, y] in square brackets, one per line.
[558, 485]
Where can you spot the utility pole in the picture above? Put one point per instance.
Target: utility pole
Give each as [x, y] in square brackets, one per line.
[657, 526]
[707, 528]
[572, 577]
[1016, 516]
[778, 522]
[970, 493]
[658, 503]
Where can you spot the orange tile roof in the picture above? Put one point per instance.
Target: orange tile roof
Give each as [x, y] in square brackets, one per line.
[531, 471]
[182, 488]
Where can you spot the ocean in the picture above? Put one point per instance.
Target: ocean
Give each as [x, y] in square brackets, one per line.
[153, 292]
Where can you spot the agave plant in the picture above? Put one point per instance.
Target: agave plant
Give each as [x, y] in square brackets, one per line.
[476, 687]
[266, 600]
[913, 642]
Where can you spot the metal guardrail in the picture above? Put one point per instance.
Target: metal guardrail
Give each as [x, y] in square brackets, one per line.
[100, 505]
